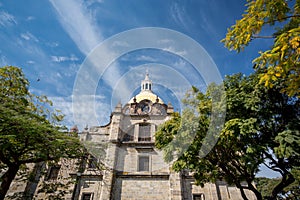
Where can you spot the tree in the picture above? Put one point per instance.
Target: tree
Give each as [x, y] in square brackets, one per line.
[29, 130]
[261, 127]
[282, 61]
[291, 192]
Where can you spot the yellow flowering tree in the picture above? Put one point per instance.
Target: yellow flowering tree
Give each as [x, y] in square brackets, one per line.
[281, 62]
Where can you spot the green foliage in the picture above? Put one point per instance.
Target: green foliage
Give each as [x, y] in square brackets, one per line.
[29, 130]
[262, 126]
[291, 192]
[266, 185]
[167, 132]
[289, 144]
[56, 190]
[282, 61]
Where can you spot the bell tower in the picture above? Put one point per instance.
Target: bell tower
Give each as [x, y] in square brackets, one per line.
[146, 84]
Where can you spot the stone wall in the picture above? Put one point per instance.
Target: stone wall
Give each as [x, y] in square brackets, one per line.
[141, 188]
[213, 191]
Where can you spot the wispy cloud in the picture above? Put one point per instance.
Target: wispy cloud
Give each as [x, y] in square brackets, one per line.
[112, 76]
[146, 58]
[32, 49]
[30, 62]
[7, 19]
[207, 25]
[29, 36]
[78, 23]
[87, 111]
[120, 44]
[3, 60]
[52, 44]
[91, 2]
[165, 41]
[64, 58]
[77, 20]
[173, 50]
[30, 18]
[179, 15]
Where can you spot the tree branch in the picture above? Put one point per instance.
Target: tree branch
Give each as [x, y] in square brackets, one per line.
[263, 36]
[4, 159]
[254, 36]
[36, 160]
[281, 19]
[238, 184]
[286, 180]
[276, 163]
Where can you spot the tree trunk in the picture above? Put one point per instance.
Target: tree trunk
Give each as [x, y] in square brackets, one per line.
[7, 178]
[287, 179]
[243, 194]
[238, 184]
[255, 191]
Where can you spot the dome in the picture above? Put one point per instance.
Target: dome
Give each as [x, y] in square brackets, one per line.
[148, 95]
[146, 92]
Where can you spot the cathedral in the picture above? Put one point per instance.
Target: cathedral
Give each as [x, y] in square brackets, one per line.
[123, 163]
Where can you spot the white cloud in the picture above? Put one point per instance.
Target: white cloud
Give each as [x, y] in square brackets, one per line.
[28, 36]
[183, 18]
[120, 44]
[86, 110]
[164, 41]
[52, 44]
[79, 23]
[58, 75]
[146, 58]
[179, 15]
[91, 2]
[30, 18]
[71, 70]
[64, 58]
[31, 49]
[180, 64]
[112, 76]
[3, 60]
[76, 18]
[25, 36]
[65, 106]
[7, 19]
[173, 50]
[30, 62]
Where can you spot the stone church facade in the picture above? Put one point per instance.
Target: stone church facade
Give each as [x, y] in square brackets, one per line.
[124, 164]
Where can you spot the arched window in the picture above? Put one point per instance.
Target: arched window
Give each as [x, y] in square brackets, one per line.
[146, 86]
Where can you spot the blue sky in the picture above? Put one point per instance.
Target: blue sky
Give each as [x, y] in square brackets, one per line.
[52, 40]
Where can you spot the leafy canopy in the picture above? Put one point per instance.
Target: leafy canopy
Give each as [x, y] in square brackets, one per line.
[27, 132]
[29, 129]
[282, 61]
[291, 192]
[261, 127]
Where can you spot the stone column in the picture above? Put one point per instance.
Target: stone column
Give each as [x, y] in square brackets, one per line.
[175, 186]
[111, 156]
